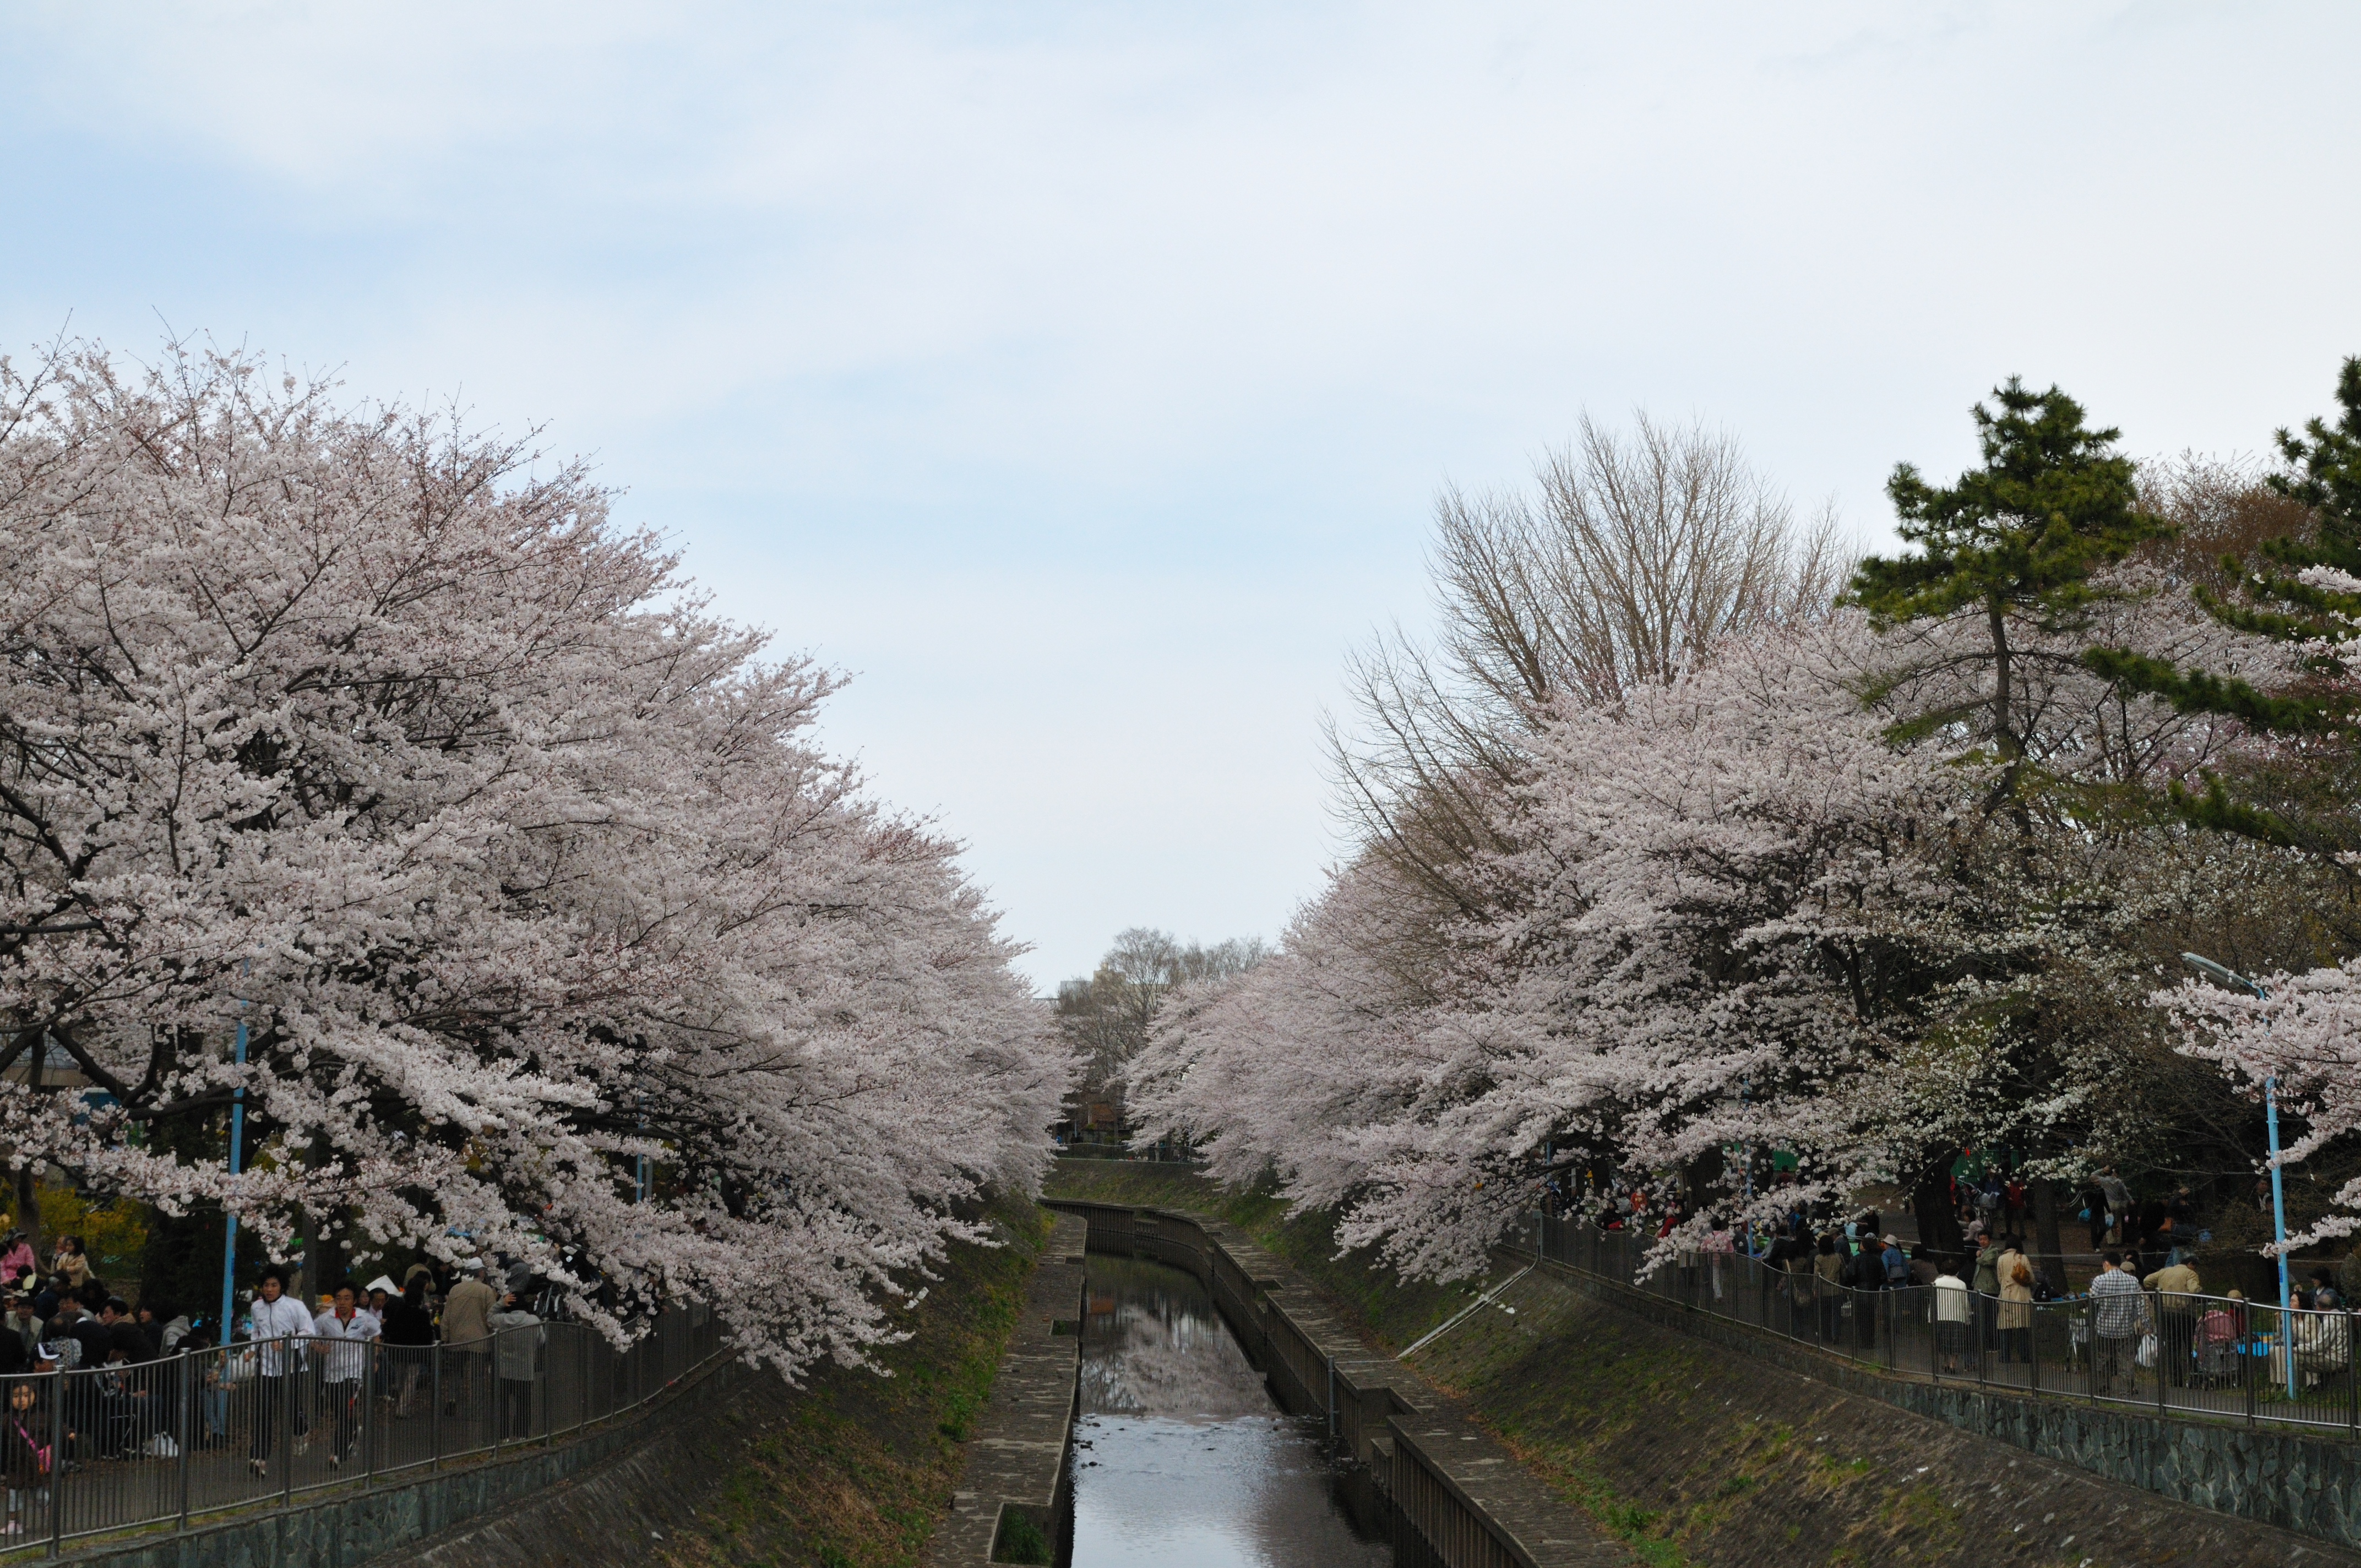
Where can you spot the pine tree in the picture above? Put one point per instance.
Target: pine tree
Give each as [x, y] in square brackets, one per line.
[2015, 543]
[2305, 592]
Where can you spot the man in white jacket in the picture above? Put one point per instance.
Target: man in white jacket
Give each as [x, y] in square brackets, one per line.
[343, 1366]
[279, 1327]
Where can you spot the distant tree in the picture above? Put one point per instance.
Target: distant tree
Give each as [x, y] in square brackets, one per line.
[1633, 555]
[1106, 1018]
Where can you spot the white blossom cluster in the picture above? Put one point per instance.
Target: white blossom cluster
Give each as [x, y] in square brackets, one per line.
[516, 862]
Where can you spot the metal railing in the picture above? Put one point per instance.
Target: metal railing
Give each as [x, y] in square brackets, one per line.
[94, 1450]
[2178, 1355]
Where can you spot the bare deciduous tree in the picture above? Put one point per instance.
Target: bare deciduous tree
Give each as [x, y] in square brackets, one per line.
[1635, 554]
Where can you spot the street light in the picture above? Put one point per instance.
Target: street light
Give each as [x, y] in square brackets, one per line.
[2230, 978]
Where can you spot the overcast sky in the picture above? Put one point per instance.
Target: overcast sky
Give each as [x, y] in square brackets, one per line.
[1080, 377]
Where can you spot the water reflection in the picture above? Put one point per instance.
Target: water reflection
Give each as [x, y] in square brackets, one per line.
[1182, 1459]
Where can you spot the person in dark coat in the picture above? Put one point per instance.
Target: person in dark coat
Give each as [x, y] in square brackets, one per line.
[409, 1339]
[24, 1451]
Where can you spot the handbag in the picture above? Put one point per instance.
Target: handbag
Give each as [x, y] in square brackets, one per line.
[2145, 1354]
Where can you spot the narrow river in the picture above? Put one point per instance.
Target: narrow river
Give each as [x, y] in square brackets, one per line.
[1182, 1459]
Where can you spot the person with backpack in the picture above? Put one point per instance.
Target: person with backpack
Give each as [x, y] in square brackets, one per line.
[1896, 1264]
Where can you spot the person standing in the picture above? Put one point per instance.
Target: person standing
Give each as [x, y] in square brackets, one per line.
[2016, 1273]
[2119, 1204]
[22, 1322]
[1986, 1285]
[520, 1337]
[466, 1330]
[344, 1369]
[2177, 1288]
[1718, 1249]
[2094, 1213]
[1827, 1271]
[2118, 1317]
[25, 1456]
[1953, 1314]
[71, 1262]
[409, 1336]
[278, 1325]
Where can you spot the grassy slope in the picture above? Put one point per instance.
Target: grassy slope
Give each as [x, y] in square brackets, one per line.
[859, 1468]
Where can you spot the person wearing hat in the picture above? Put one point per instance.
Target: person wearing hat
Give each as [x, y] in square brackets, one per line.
[1896, 1266]
[468, 1329]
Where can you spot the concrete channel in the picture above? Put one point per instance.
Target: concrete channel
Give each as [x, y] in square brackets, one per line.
[1467, 1500]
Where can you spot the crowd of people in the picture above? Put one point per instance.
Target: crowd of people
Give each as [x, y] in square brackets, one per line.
[290, 1363]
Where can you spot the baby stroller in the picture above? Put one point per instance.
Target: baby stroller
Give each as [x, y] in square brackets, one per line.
[2217, 1349]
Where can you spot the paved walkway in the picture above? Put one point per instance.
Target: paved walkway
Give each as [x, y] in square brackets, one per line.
[1016, 1458]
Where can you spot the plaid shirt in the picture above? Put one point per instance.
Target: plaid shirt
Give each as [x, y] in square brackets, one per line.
[2118, 1307]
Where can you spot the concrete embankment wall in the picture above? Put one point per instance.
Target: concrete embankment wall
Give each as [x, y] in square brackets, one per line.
[1471, 1502]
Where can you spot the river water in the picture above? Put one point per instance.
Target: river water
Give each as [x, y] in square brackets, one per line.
[1181, 1460]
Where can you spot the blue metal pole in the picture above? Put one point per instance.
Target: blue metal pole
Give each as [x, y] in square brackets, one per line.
[2222, 973]
[236, 1149]
[2278, 1226]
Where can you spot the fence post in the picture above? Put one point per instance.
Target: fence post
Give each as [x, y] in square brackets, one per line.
[434, 1376]
[499, 1401]
[372, 1373]
[58, 1462]
[2090, 1351]
[2246, 1363]
[2033, 1342]
[2156, 1316]
[289, 1406]
[186, 1433]
[2352, 1380]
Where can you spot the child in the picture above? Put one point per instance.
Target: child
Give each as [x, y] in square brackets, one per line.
[24, 1456]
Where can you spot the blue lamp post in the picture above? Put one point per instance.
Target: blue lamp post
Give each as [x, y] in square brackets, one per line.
[2232, 979]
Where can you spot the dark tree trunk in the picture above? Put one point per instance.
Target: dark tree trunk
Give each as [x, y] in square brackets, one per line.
[1930, 1199]
[2050, 1251]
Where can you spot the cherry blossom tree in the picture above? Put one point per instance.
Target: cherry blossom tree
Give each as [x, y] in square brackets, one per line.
[518, 865]
[1741, 910]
